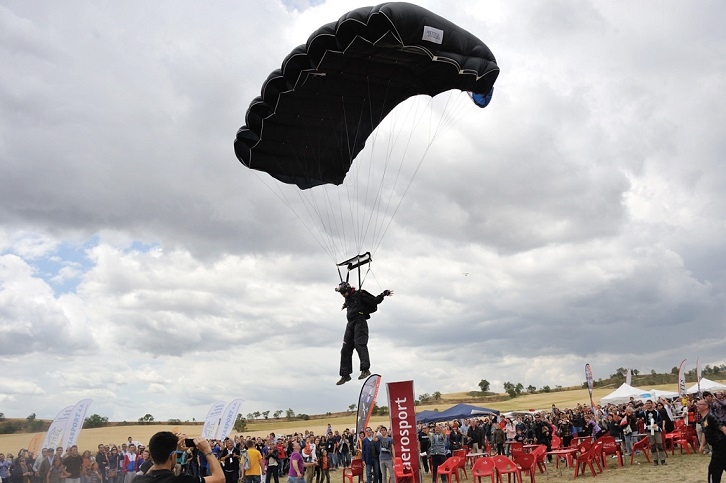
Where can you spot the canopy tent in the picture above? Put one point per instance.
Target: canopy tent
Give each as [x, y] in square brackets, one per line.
[656, 393]
[707, 385]
[424, 415]
[624, 393]
[459, 411]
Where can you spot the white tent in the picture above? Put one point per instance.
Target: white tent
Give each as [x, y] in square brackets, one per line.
[624, 393]
[707, 385]
[656, 393]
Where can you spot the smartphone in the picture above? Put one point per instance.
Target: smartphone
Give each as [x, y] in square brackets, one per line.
[189, 443]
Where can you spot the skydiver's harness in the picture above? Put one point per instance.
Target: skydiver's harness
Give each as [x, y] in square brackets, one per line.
[355, 263]
[366, 300]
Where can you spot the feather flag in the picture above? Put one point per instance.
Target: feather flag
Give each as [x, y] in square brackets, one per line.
[229, 417]
[590, 384]
[211, 422]
[366, 402]
[681, 380]
[74, 425]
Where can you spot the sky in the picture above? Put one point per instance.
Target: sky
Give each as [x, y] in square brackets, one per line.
[577, 219]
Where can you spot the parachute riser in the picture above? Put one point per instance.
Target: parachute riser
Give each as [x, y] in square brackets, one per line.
[352, 264]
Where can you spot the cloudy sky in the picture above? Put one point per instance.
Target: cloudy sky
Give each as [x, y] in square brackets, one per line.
[579, 218]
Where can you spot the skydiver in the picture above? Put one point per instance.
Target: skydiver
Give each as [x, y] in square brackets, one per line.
[359, 304]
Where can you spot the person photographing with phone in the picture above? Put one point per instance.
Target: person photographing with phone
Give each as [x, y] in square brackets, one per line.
[163, 446]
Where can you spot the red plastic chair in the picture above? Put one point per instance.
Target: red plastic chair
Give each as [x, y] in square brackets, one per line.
[586, 459]
[461, 454]
[356, 469]
[505, 466]
[681, 438]
[540, 454]
[402, 473]
[450, 467]
[516, 448]
[692, 438]
[643, 446]
[527, 463]
[610, 448]
[483, 467]
[599, 456]
[556, 442]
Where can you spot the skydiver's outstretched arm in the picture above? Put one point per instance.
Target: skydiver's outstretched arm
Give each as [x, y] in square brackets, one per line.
[385, 293]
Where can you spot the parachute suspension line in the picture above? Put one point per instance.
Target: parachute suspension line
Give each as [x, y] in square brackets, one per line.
[366, 224]
[351, 189]
[322, 236]
[282, 197]
[442, 126]
[381, 214]
[312, 206]
[413, 107]
[375, 212]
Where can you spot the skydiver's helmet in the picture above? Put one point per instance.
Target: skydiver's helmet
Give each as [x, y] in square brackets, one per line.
[344, 288]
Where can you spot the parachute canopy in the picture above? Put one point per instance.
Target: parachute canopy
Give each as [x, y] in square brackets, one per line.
[316, 112]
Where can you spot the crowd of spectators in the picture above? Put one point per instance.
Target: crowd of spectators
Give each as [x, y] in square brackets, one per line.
[307, 457]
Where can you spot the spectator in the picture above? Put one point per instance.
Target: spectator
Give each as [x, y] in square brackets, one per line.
[4, 469]
[254, 473]
[387, 454]
[162, 448]
[56, 473]
[115, 465]
[714, 432]
[297, 468]
[22, 472]
[73, 464]
[229, 458]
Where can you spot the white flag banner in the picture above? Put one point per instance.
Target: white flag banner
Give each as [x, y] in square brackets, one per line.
[628, 377]
[54, 436]
[228, 419]
[74, 425]
[211, 422]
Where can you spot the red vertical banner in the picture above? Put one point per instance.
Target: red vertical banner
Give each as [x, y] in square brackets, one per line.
[403, 424]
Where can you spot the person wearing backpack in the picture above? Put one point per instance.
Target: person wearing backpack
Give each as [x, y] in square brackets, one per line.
[163, 446]
[359, 304]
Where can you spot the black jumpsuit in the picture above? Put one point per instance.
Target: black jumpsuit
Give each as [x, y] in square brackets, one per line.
[356, 331]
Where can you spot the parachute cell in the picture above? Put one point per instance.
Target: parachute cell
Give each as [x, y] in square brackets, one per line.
[316, 112]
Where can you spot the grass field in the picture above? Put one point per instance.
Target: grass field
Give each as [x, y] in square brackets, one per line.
[681, 468]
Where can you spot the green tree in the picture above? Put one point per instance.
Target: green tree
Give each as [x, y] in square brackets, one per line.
[437, 396]
[290, 413]
[531, 389]
[484, 385]
[277, 414]
[147, 418]
[513, 390]
[95, 421]
[351, 408]
[266, 414]
[257, 414]
[240, 423]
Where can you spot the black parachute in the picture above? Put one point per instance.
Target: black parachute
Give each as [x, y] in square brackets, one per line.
[317, 111]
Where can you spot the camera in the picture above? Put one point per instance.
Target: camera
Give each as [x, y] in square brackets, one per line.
[189, 443]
